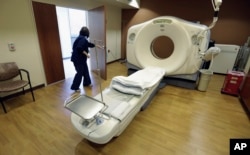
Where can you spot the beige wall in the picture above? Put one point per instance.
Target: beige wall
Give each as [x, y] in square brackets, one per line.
[113, 33]
[18, 26]
[233, 26]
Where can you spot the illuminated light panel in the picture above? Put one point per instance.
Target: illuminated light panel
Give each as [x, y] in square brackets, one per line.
[133, 3]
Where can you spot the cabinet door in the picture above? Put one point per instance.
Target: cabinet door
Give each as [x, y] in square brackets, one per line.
[245, 91]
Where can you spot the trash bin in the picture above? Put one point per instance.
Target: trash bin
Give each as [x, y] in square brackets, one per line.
[204, 79]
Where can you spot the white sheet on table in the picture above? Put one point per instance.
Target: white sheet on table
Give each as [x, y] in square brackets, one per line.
[139, 81]
[117, 103]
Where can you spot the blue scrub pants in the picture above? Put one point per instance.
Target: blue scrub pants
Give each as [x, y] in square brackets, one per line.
[82, 72]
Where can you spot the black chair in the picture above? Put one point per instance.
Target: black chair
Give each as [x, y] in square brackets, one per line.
[11, 79]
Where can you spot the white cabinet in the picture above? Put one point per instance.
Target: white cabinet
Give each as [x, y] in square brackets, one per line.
[225, 60]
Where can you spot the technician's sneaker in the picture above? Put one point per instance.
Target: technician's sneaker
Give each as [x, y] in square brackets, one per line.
[77, 90]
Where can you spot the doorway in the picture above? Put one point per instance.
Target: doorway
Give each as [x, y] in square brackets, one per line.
[50, 44]
[70, 21]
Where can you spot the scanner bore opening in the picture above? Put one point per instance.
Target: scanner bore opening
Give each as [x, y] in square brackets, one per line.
[162, 47]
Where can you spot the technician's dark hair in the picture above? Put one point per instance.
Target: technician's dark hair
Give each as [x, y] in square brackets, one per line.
[84, 31]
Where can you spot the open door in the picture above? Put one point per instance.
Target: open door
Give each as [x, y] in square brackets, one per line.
[97, 29]
[49, 41]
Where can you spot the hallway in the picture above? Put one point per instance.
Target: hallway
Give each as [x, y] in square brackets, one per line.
[69, 69]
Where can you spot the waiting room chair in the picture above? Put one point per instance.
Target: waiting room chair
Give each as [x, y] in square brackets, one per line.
[11, 79]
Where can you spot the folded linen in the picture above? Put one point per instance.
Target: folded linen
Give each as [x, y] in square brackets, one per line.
[139, 81]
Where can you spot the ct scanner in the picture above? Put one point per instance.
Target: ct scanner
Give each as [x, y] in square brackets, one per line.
[106, 115]
[190, 43]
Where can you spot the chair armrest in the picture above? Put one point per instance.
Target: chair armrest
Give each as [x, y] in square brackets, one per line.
[26, 72]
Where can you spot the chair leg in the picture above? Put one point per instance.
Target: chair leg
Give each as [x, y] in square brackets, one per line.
[4, 109]
[31, 90]
[33, 97]
[23, 91]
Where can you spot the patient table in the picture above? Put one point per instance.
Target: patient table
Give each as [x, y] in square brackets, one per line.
[106, 115]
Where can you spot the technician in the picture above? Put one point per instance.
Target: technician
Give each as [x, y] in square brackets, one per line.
[79, 58]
